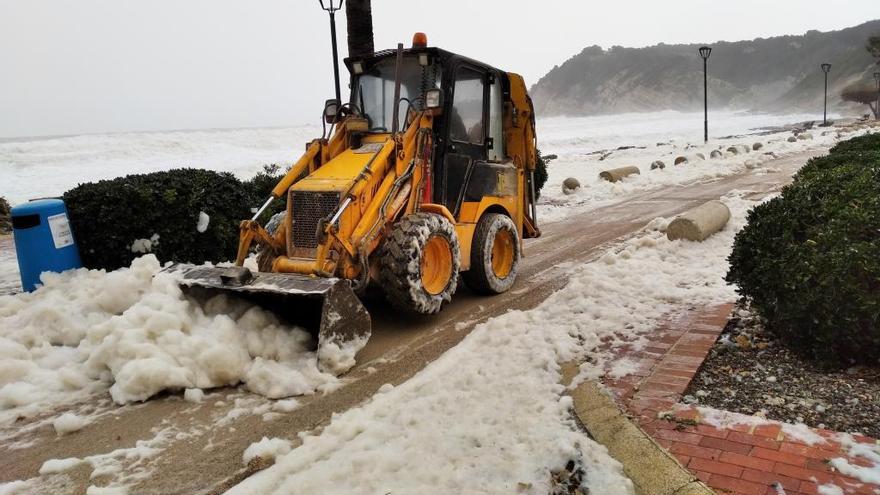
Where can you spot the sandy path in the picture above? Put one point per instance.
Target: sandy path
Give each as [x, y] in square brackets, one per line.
[210, 458]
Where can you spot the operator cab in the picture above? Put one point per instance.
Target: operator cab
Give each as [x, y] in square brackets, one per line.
[469, 143]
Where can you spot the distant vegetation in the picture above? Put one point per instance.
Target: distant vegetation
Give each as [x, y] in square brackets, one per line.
[809, 260]
[859, 92]
[772, 74]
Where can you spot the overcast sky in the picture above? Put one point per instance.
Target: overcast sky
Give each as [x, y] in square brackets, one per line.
[84, 66]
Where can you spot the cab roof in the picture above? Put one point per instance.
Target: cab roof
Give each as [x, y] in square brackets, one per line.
[444, 56]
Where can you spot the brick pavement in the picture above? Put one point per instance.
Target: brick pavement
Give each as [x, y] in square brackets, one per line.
[741, 457]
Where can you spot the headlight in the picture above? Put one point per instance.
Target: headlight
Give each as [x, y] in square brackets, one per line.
[433, 98]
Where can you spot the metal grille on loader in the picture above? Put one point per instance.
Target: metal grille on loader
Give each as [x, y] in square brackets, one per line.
[307, 209]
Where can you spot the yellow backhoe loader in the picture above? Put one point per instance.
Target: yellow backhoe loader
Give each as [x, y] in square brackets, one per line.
[427, 172]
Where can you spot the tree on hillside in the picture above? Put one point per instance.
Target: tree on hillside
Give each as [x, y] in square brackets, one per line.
[873, 47]
[865, 95]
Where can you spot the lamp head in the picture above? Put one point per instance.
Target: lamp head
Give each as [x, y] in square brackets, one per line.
[331, 5]
[705, 51]
[877, 76]
[826, 68]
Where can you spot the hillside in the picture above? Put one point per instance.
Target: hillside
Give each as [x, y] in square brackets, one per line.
[770, 74]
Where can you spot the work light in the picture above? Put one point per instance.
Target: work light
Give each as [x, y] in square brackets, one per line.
[433, 98]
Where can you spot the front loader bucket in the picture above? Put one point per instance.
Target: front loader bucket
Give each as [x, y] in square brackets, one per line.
[326, 306]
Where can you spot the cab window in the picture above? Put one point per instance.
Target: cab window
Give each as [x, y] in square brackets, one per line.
[496, 122]
[466, 119]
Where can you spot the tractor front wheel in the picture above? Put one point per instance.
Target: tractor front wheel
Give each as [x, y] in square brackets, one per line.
[420, 263]
[495, 254]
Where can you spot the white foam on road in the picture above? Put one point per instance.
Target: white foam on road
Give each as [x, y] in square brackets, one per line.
[55, 466]
[267, 449]
[489, 415]
[68, 423]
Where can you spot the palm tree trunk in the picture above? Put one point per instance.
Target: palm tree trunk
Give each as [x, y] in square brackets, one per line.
[360, 27]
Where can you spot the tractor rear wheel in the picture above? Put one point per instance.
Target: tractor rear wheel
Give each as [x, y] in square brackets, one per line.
[495, 254]
[420, 263]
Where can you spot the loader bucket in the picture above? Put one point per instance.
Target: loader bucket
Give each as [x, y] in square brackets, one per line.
[325, 306]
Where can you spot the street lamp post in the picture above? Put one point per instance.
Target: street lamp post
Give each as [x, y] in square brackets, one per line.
[826, 68]
[705, 51]
[877, 112]
[332, 6]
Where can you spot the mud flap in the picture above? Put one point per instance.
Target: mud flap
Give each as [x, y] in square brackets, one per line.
[326, 307]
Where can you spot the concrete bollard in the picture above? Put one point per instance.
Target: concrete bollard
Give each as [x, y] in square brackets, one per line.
[570, 185]
[696, 157]
[715, 154]
[792, 139]
[699, 223]
[804, 136]
[757, 146]
[739, 149]
[657, 164]
[616, 174]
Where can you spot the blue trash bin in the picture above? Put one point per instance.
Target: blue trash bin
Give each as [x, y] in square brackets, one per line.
[43, 240]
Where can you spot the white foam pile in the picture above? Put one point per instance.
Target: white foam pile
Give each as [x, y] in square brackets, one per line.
[829, 489]
[866, 471]
[68, 423]
[862, 462]
[132, 330]
[729, 419]
[267, 449]
[489, 415]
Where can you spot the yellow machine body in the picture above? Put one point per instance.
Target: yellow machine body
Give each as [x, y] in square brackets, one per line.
[367, 175]
[352, 195]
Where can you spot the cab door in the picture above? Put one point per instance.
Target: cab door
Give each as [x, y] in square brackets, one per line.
[466, 133]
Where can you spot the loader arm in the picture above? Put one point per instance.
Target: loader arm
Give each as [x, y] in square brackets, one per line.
[388, 201]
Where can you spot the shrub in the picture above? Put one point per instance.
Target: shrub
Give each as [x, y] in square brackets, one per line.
[5, 222]
[540, 172]
[260, 186]
[809, 260]
[117, 220]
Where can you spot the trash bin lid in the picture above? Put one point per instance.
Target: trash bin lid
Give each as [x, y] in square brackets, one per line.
[38, 206]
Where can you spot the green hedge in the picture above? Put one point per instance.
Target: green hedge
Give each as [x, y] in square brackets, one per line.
[809, 259]
[5, 222]
[260, 186]
[109, 216]
[540, 172]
